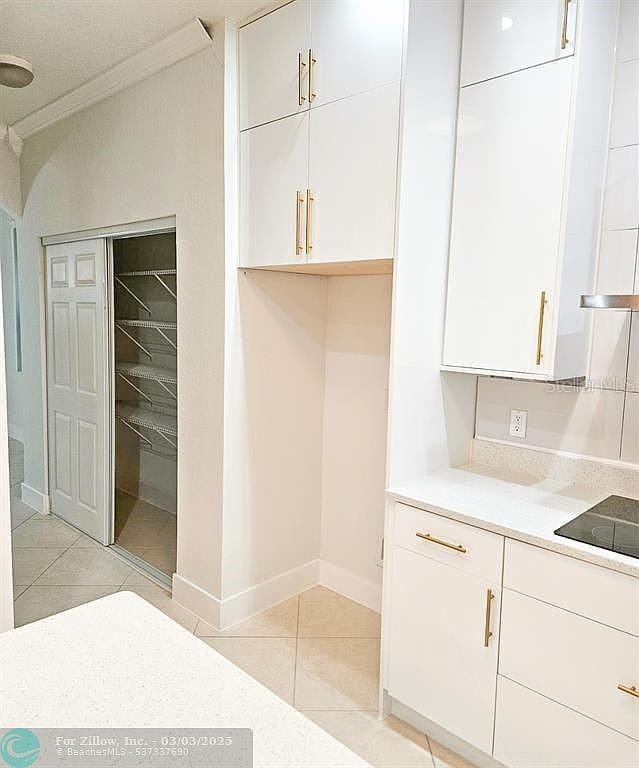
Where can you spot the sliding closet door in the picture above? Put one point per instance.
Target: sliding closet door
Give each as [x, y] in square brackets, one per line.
[76, 359]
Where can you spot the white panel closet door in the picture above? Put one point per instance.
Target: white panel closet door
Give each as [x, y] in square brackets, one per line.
[77, 403]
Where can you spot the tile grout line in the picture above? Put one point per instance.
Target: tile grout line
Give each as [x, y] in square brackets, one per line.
[64, 551]
[430, 750]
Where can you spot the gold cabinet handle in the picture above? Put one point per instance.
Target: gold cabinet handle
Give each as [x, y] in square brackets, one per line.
[564, 27]
[540, 327]
[435, 540]
[309, 220]
[631, 689]
[311, 61]
[489, 601]
[299, 202]
[300, 93]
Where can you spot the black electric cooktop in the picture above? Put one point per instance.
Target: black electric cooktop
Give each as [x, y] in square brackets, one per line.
[612, 524]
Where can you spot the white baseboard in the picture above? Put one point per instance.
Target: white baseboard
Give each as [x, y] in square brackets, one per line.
[351, 585]
[35, 499]
[222, 614]
[251, 601]
[16, 433]
[442, 736]
[197, 600]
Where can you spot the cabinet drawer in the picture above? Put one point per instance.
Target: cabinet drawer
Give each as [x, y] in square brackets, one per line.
[448, 541]
[532, 732]
[572, 660]
[597, 593]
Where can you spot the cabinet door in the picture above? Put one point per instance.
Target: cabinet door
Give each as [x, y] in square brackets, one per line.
[273, 80]
[507, 219]
[352, 177]
[274, 171]
[357, 45]
[502, 36]
[439, 664]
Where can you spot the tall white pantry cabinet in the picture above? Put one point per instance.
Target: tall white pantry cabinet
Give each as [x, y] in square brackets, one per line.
[532, 136]
[319, 121]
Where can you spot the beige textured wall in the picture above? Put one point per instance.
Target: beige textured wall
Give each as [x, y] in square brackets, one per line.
[152, 150]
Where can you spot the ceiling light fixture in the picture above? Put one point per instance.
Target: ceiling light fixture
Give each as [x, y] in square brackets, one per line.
[15, 72]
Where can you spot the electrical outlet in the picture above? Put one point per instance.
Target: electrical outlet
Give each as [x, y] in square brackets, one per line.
[518, 421]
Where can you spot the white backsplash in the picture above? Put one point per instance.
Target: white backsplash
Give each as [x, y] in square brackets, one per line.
[602, 419]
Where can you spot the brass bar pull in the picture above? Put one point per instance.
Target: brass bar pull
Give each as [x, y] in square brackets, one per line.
[489, 601]
[309, 220]
[435, 540]
[631, 689]
[564, 27]
[311, 61]
[300, 93]
[299, 201]
[540, 328]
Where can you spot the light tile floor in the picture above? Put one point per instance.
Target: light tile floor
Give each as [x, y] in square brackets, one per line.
[146, 531]
[319, 651]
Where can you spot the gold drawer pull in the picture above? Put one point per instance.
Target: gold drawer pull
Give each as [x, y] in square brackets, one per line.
[300, 94]
[540, 328]
[311, 61]
[435, 540]
[631, 689]
[299, 202]
[309, 220]
[564, 27]
[489, 601]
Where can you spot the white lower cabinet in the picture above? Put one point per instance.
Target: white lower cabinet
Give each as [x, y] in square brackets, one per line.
[444, 634]
[539, 669]
[532, 731]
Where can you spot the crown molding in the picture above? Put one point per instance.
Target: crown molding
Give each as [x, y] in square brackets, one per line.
[185, 41]
[9, 137]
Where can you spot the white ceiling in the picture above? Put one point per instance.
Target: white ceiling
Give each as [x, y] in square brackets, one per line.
[70, 41]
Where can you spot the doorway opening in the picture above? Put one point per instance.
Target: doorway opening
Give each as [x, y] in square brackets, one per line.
[144, 336]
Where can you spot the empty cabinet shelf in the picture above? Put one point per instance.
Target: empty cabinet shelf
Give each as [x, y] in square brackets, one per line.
[162, 423]
[151, 372]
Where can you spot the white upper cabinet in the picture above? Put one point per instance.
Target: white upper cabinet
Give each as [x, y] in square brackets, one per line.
[274, 65]
[353, 165]
[511, 162]
[319, 106]
[529, 171]
[356, 45]
[502, 36]
[274, 181]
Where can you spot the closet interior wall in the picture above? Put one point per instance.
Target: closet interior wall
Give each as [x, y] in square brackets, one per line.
[145, 382]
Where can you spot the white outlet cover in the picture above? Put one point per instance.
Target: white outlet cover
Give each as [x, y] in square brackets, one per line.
[518, 423]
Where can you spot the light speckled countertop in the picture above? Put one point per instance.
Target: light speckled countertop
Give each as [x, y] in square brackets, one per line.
[514, 505]
[119, 663]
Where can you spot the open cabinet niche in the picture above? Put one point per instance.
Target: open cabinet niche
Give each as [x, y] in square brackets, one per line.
[145, 386]
[311, 395]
